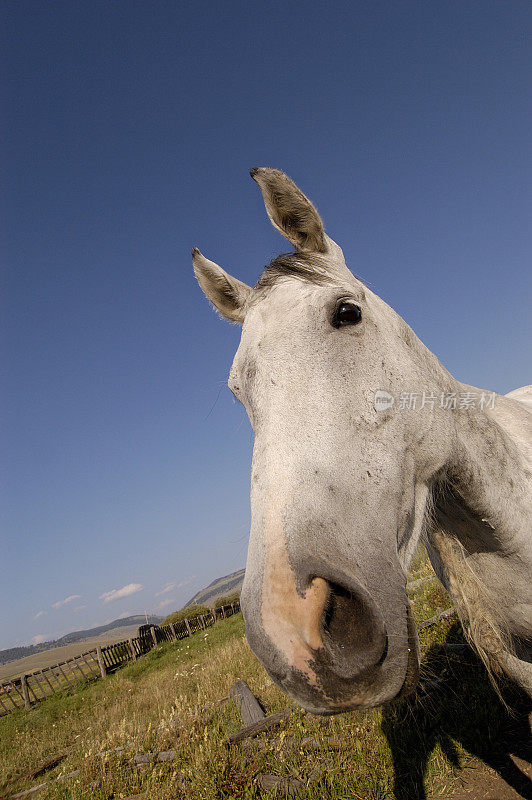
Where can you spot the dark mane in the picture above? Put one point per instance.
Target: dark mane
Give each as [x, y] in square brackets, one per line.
[305, 266]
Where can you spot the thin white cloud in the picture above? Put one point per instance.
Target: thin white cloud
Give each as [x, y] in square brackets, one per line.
[170, 601]
[39, 614]
[185, 582]
[79, 608]
[167, 588]
[39, 638]
[64, 602]
[125, 591]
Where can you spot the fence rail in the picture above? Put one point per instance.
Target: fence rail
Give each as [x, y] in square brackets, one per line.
[31, 688]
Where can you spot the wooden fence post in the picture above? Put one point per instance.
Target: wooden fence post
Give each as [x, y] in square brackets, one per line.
[101, 662]
[153, 636]
[132, 650]
[173, 630]
[249, 707]
[188, 627]
[223, 612]
[25, 692]
[202, 622]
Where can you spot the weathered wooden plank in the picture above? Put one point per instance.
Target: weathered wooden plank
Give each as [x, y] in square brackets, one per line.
[40, 786]
[25, 692]
[93, 663]
[107, 654]
[90, 668]
[38, 683]
[9, 694]
[433, 620]
[45, 677]
[248, 706]
[88, 674]
[166, 755]
[51, 763]
[287, 785]
[58, 682]
[76, 663]
[14, 685]
[410, 587]
[148, 758]
[101, 662]
[32, 691]
[458, 648]
[28, 792]
[60, 667]
[6, 709]
[258, 727]
[68, 775]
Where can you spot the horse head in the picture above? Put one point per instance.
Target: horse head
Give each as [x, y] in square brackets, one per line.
[341, 476]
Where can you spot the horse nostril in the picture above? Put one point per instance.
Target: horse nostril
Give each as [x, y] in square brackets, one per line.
[353, 631]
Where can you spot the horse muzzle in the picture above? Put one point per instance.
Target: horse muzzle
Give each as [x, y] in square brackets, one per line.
[328, 646]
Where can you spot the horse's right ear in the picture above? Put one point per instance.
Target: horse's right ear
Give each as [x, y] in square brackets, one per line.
[227, 294]
[290, 211]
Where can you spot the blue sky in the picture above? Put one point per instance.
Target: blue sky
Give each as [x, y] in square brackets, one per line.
[129, 129]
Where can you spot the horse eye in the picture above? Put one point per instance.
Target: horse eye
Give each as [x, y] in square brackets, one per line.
[346, 314]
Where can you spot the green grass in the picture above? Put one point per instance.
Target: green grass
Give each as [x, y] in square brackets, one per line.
[169, 699]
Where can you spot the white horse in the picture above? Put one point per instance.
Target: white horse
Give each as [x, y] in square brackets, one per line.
[363, 444]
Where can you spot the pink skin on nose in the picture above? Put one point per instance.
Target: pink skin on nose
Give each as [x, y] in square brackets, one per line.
[290, 620]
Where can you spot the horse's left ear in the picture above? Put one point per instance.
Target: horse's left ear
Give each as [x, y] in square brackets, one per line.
[227, 294]
[290, 211]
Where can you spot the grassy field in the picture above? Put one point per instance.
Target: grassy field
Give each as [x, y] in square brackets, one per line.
[170, 699]
[47, 658]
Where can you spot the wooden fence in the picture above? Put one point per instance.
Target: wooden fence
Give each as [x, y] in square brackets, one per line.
[29, 689]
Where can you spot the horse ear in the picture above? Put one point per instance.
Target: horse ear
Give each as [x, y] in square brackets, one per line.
[227, 294]
[290, 211]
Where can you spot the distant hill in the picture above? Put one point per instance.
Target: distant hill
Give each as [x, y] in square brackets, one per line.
[218, 588]
[14, 653]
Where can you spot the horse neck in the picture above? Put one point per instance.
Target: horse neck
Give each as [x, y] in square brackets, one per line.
[487, 482]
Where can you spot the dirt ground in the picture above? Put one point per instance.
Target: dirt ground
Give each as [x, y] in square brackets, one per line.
[487, 784]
